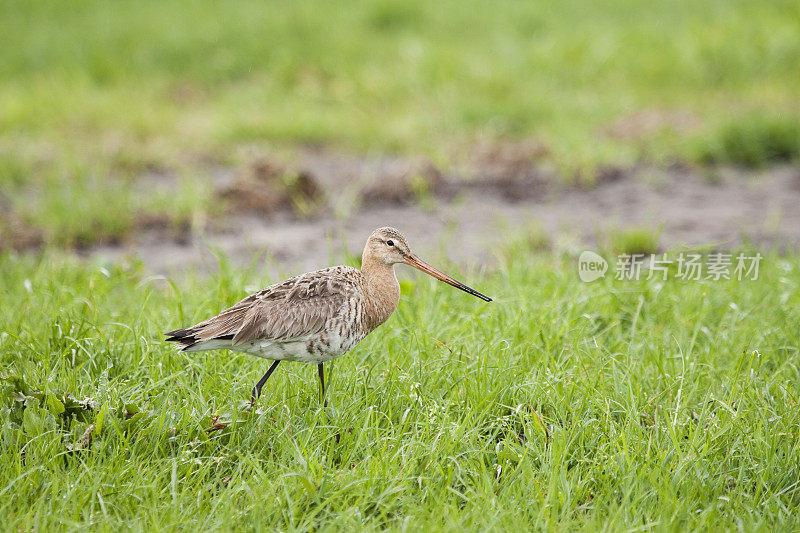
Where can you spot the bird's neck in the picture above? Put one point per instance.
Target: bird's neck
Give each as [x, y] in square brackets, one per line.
[381, 291]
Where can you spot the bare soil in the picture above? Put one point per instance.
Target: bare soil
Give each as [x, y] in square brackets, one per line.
[331, 202]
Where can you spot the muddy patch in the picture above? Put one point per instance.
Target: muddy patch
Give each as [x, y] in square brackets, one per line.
[468, 215]
[646, 123]
[17, 234]
[266, 185]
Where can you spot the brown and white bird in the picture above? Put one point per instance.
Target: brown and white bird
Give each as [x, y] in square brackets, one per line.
[317, 316]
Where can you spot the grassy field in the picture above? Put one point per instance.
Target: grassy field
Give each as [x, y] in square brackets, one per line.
[617, 405]
[623, 405]
[95, 94]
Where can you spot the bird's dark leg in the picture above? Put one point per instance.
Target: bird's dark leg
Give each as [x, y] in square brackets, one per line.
[257, 389]
[322, 381]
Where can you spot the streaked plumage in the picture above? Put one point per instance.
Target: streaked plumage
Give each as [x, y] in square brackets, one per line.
[317, 316]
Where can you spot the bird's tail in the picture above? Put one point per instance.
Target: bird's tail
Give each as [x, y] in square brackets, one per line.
[193, 339]
[186, 337]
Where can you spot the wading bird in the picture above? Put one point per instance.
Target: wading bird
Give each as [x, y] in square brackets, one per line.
[314, 317]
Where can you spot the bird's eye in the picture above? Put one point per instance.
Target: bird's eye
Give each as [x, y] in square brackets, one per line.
[390, 243]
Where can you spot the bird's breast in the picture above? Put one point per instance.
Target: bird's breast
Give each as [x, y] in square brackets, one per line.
[379, 304]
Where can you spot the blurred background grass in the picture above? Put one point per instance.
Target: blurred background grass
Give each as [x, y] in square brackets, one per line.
[386, 75]
[94, 94]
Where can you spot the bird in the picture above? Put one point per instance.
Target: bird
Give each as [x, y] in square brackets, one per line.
[317, 316]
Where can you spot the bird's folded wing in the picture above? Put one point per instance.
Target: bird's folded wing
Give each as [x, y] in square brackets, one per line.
[290, 310]
[293, 309]
[279, 321]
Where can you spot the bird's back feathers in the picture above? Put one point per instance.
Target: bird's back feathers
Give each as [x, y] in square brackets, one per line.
[291, 310]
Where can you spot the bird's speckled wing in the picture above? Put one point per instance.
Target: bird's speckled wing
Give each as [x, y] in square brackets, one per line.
[290, 310]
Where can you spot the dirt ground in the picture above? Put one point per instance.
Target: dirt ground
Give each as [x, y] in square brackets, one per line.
[467, 215]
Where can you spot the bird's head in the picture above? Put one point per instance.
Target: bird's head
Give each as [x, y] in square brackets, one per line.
[388, 246]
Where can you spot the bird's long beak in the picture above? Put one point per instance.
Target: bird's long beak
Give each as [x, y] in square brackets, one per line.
[418, 263]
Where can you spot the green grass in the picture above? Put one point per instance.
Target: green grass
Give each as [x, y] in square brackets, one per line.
[383, 75]
[753, 141]
[624, 405]
[633, 240]
[115, 89]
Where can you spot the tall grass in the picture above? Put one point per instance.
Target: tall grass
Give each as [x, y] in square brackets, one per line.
[622, 405]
